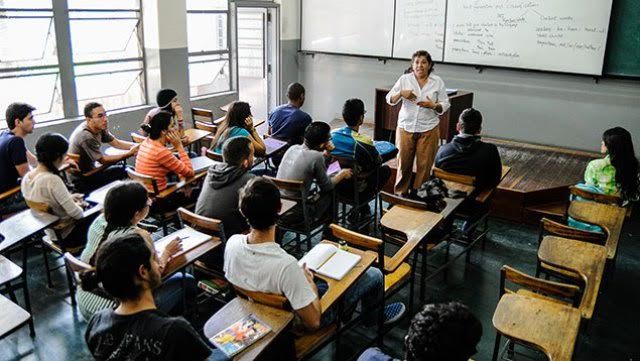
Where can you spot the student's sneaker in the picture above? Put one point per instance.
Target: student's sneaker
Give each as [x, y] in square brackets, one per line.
[393, 312]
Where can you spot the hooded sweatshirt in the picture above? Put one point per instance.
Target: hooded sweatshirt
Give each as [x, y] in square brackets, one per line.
[219, 196]
[469, 155]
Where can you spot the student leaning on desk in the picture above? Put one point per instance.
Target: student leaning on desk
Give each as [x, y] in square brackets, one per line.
[255, 262]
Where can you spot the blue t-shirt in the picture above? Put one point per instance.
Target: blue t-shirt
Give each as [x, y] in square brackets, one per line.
[13, 152]
[288, 123]
[233, 132]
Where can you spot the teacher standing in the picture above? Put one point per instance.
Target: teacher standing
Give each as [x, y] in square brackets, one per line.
[424, 99]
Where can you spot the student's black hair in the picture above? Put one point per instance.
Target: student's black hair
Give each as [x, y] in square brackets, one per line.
[443, 332]
[471, 121]
[426, 54]
[50, 147]
[17, 111]
[89, 107]
[352, 110]
[623, 158]
[295, 91]
[120, 206]
[159, 122]
[259, 203]
[317, 133]
[238, 113]
[235, 150]
[117, 263]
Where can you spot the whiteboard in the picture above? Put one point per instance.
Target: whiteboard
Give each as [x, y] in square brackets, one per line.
[554, 35]
[419, 26]
[359, 27]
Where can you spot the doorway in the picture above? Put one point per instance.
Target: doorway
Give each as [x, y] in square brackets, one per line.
[258, 57]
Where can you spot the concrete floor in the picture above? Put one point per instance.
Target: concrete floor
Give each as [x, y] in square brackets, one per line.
[611, 335]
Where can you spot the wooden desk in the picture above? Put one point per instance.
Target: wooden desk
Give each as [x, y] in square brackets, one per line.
[238, 308]
[98, 195]
[114, 151]
[256, 122]
[181, 184]
[414, 223]
[9, 271]
[287, 204]
[190, 254]
[193, 135]
[336, 289]
[386, 116]
[585, 259]
[274, 146]
[606, 216]
[12, 316]
[551, 327]
[22, 225]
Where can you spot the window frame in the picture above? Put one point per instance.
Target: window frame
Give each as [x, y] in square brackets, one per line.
[228, 52]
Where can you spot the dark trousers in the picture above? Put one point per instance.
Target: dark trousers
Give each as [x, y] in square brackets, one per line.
[110, 174]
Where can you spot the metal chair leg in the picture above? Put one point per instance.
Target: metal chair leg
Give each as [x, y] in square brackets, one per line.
[45, 256]
[496, 347]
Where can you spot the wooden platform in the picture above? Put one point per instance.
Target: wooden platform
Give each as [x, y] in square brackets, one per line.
[539, 179]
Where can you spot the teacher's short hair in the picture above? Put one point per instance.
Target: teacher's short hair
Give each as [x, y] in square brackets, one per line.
[471, 121]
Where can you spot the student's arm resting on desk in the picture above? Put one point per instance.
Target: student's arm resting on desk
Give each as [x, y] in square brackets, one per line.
[122, 144]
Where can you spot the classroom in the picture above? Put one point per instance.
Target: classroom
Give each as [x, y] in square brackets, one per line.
[370, 180]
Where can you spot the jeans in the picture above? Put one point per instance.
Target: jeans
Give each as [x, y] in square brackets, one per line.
[169, 295]
[369, 289]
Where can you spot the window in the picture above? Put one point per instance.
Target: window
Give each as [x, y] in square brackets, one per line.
[108, 69]
[29, 73]
[209, 70]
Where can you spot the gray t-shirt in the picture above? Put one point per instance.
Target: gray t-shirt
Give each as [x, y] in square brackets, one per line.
[302, 163]
[87, 145]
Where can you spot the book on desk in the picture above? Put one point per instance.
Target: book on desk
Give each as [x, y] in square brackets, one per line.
[330, 261]
[240, 335]
[190, 240]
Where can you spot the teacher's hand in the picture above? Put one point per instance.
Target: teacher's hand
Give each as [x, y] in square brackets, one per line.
[427, 104]
[408, 94]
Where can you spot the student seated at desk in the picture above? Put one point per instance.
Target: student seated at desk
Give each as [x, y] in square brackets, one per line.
[44, 185]
[219, 196]
[129, 270]
[306, 162]
[125, 205]
[615, 174]
[155, 159]
[255, 262]
[442, 332]
[15, 158]
[288, 122]
[468, 154]
[238, 123]
[167, 100]
[86, 140]
[352, 145]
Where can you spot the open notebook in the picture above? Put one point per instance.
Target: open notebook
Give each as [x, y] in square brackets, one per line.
[190, 240]
[328, 260]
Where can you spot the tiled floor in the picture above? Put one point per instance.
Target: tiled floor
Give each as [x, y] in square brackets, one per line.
[611, 335]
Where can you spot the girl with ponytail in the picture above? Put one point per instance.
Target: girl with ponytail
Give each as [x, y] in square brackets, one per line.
[125, 205]
[43, 186]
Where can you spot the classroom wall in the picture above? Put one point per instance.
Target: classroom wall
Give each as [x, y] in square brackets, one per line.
[555, 109]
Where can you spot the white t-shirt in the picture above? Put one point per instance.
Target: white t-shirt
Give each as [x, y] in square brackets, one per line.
[414, 118]
[267, 268]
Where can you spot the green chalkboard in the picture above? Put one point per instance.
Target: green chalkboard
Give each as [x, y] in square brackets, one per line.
[622, 57]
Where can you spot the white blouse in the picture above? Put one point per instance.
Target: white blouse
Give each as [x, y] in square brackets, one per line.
[412, 117]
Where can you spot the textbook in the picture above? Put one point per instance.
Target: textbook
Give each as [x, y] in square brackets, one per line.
[328, 260]
[190, 240]
[240, 335]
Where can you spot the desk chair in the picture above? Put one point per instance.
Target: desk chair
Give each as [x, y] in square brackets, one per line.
[210, 226]
[76, 158]
[9, 272]
[472, 232]
[12, 317]
[209, 127]
[201, 115]
[397, 272]
[75, 267]
[309, 226]
[6, 195]
[354, 201]
[552, 292]
[550, 227]
[306, 345]
[56, 246]
[214, 156]
[611, 199]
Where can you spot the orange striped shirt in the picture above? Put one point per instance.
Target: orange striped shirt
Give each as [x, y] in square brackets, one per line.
[156, 160]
